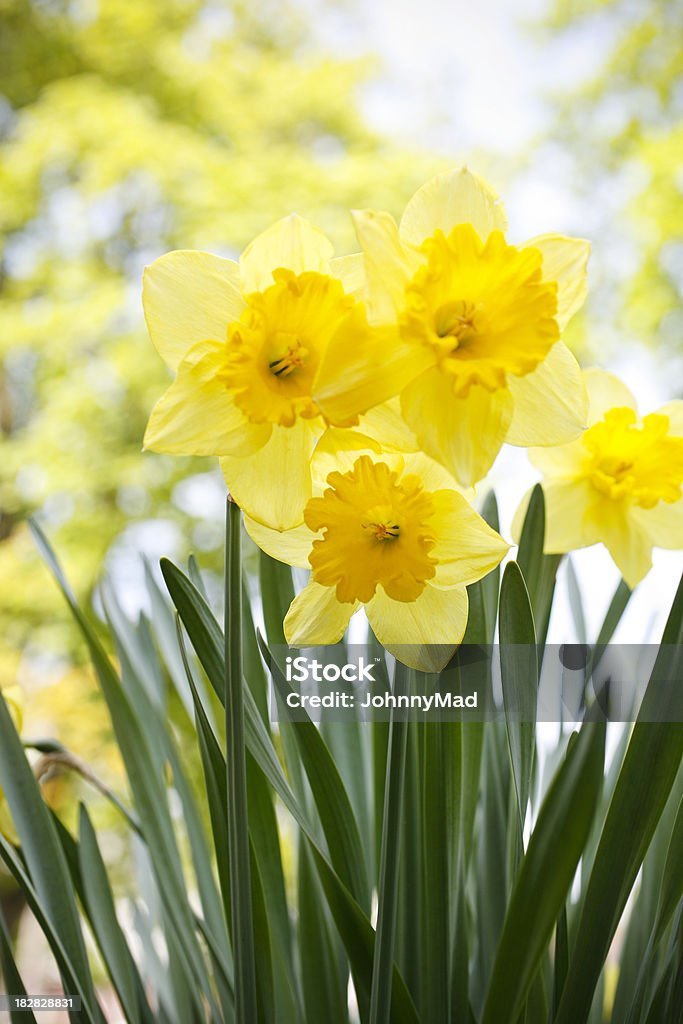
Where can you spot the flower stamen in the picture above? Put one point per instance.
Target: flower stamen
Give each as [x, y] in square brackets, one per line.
[293, 358]
[383, 531]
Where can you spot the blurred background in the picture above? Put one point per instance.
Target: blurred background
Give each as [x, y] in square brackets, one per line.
[130, 128]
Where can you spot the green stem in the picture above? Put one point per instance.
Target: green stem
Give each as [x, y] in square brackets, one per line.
[383, 963]
[238, 822]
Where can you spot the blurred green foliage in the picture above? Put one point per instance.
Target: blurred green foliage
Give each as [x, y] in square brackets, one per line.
[128, 129]
[623, 128]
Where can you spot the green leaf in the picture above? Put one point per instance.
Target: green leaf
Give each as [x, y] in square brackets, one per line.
[576, 602]
[324, 983]
[110, 938]
[382, 968]
[489, 586]
[539, 570]
[44, 858]
[437, 837]
[17, 868]
[491, 892]
[330, 796]
[546, 874]
[358, 937]
[277, 593]
[617, 607]
[351, 921]
[13, 984]
[146, 785]
[238, 819]
[519, 677]
[409, 952]
[647, 775]
[671, 888]
[561, 964]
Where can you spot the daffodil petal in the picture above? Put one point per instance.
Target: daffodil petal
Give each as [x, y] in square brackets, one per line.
[564, 461]
[350, 270]
[565, 260]
[315, 616]
[423, 633]
[197, 415]
[289, 546]
[389, 264]
[433, 475]
[293, 243]
[364, 366]
[338, 451]
[465, 434]
[674, 411]
[551, 403]
[454, 197]
[386, 425]
[466, 548]
[627, 542]
[605, 391]
[273, 485]
[663, 524]
[189, 297]
[568, 521]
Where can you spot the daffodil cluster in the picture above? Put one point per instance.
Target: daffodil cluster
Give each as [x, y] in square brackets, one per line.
[353, 400]
[14, 699]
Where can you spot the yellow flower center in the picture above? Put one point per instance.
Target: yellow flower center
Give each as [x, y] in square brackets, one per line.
[275, 348]
[482, 306]
[377, 530]
[640, 462]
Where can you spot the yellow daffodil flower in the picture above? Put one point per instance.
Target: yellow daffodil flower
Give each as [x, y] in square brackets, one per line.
[13, 698]
[391, 533]
[476, 352]
[620, 483]
[251, 344]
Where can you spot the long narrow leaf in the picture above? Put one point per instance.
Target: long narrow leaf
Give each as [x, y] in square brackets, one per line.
[546, 874]
[382, 968]
[651, 764]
